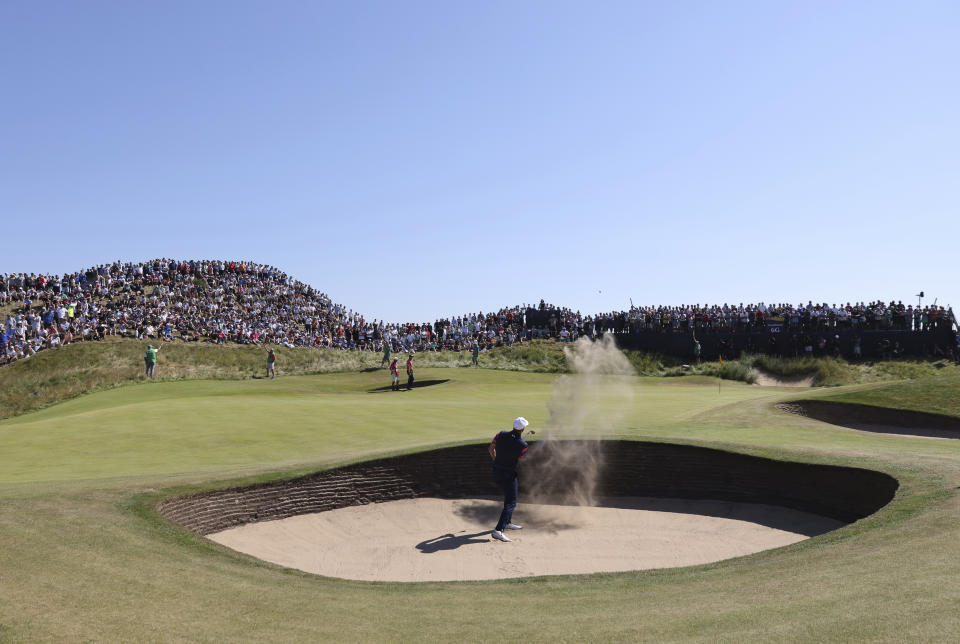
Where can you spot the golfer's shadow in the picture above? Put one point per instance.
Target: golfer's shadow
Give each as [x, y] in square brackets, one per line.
[451, 541]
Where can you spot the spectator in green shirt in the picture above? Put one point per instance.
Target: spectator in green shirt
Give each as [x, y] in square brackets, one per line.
[271, 364]
[150, 359]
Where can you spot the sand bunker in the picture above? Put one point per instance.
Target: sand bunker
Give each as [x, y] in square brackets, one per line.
[765, 379]
[430, 539]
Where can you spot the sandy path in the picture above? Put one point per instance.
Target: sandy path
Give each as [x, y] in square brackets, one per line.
[445, 540]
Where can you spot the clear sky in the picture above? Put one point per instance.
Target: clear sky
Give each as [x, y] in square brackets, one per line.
[424, 159]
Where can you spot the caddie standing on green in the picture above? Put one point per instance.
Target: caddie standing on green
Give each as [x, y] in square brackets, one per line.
[150, 359]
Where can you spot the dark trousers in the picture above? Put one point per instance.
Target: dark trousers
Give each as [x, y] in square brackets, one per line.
[409, 381]
[507, 481]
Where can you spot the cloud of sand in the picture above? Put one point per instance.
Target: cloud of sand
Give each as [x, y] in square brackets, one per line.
[586, 405]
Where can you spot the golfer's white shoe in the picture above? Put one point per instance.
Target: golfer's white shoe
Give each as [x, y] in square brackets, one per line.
[500, 536]
[514, 526]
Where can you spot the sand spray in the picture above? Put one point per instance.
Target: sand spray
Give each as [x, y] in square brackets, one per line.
[586, 405]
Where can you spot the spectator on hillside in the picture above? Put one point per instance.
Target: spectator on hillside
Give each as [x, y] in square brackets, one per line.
[150, 359]
[271, 364]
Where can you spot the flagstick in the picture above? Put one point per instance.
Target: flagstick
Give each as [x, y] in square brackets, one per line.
[719, 379]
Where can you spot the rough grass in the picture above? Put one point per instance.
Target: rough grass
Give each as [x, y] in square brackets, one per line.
[651, 364]
[738, 370]
[826, 371]
[727, 370]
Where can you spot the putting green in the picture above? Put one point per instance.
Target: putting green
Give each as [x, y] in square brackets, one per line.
[168, 428]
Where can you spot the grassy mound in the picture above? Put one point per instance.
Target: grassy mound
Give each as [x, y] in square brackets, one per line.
[932, 395]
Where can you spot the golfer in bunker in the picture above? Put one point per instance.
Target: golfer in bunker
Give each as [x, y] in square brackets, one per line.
[506, 450]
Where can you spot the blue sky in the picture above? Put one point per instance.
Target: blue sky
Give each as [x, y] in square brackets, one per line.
[425, 159]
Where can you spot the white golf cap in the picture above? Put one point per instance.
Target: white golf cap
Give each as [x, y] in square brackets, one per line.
[520, 423]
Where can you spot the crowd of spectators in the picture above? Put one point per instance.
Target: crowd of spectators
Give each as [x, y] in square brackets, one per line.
[192, 301]
[249, 303]
[741, 317]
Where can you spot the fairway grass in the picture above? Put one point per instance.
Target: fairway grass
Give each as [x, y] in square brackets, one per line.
[83, 556]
